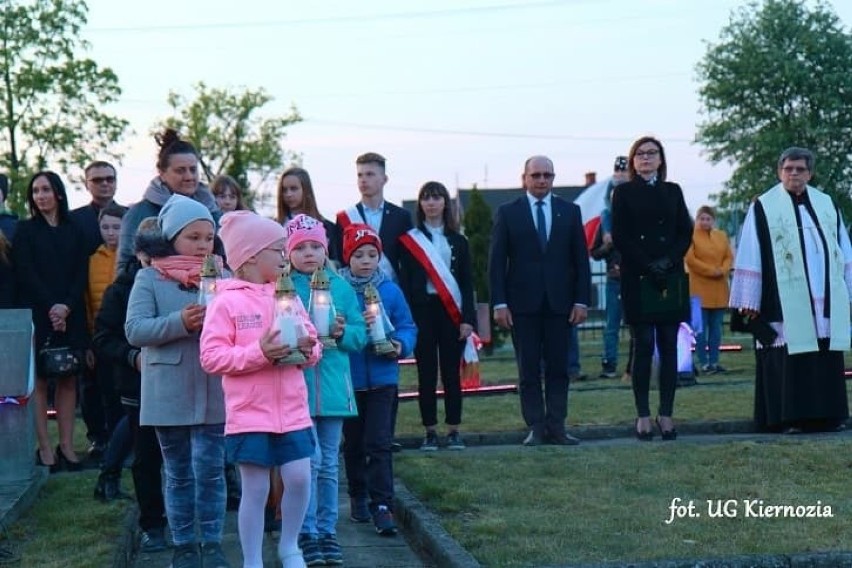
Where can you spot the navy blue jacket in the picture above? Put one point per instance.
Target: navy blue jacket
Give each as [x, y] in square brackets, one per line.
[370, 371]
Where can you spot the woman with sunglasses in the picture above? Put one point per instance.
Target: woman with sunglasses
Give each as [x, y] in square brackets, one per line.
[652, 228]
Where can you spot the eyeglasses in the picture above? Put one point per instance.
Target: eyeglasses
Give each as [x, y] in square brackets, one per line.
[281, 251]
[794, 169]
[647, 154]
[100, 180]
[542, 175]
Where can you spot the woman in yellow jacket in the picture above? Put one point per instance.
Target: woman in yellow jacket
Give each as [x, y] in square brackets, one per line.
[709, 261]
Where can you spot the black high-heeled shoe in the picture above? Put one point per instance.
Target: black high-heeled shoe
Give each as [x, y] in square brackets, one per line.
[63, 462]
[666, 435]
[53, 467]
[643, 436]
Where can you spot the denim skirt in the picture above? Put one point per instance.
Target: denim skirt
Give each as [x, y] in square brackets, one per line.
[268, 450]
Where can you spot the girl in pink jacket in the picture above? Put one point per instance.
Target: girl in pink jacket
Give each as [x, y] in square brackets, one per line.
[267, 422]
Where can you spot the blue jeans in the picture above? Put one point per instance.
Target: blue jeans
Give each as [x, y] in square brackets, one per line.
[573, 351]
[367, 442]
[613, 324]
[321, 516]
[194, 460]
[707, 343]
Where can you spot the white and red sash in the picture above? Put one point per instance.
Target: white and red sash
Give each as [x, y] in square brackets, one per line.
[423, 251]
[349, 216]
[352, 216]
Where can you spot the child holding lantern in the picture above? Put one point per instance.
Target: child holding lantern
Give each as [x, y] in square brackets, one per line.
[375, 374]
[334, 311]
[267, 419]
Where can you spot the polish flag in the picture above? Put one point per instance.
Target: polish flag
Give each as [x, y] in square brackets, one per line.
[591, 204]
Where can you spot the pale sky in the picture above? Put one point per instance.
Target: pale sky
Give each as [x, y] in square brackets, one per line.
[457, 91]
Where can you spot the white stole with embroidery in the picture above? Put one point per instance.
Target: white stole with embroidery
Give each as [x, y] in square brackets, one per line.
[801, 326]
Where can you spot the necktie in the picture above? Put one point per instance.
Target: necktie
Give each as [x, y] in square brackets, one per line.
[541, 227]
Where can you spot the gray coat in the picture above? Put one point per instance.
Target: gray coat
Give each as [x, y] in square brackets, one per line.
[175, 390]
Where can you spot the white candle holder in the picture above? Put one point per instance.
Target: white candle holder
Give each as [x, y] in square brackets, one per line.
[321, 308]
[381, 327]
[209, 275]
[287, 320]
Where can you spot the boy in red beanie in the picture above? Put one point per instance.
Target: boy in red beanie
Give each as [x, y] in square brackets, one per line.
[368, 436]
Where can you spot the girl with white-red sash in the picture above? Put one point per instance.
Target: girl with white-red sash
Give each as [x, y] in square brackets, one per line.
[436, 277]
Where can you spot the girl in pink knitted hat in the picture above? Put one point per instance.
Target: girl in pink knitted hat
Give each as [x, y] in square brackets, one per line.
[330, 394]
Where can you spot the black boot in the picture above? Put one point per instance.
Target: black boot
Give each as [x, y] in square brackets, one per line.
[108, 487]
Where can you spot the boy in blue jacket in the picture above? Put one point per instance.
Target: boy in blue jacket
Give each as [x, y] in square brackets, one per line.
[368, 436]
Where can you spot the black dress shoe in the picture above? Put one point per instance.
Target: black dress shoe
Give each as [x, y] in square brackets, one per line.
[53, 468]
[533, 439]
[667, 435]
[562, 439]
[64, 463]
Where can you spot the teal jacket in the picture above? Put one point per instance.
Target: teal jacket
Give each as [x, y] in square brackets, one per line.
[330, 392]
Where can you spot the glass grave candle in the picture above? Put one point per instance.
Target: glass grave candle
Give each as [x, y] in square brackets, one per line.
[321, 308]
[381, 326]
[209, 274]
[287, 320]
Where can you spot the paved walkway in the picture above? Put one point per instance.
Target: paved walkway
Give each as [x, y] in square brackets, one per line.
[362, 547]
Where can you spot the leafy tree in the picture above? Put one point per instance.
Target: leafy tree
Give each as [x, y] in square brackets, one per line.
[477, 229]
[53, 99]
[231, 137]
[778, 77]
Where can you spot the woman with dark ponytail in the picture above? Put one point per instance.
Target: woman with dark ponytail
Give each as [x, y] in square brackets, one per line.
[177, 167]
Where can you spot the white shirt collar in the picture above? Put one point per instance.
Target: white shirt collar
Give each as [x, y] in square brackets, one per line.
[372, 210]
[532, 199]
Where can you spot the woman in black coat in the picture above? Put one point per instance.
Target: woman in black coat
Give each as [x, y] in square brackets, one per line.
[435, 250]
[51, 265]
[652, 228]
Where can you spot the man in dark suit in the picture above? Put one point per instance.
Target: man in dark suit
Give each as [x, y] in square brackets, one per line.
[540, 282]
[388, 220]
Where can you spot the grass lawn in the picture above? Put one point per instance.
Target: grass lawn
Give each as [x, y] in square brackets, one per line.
[515, 506]
[67, 528]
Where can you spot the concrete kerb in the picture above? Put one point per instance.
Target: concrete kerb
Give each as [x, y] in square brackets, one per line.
[593, 433]
[425, 531]
[125, 552]
[803, 560]
[16, 498]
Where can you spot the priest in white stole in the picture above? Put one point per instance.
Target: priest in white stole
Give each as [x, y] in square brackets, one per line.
[793, 270]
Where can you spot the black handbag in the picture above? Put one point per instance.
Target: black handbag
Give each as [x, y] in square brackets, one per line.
[673, 299]
[58, 362]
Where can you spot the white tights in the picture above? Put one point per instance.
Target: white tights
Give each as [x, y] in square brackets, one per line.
[296, 476]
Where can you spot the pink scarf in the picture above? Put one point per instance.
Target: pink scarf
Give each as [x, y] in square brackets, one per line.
[180, 268]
